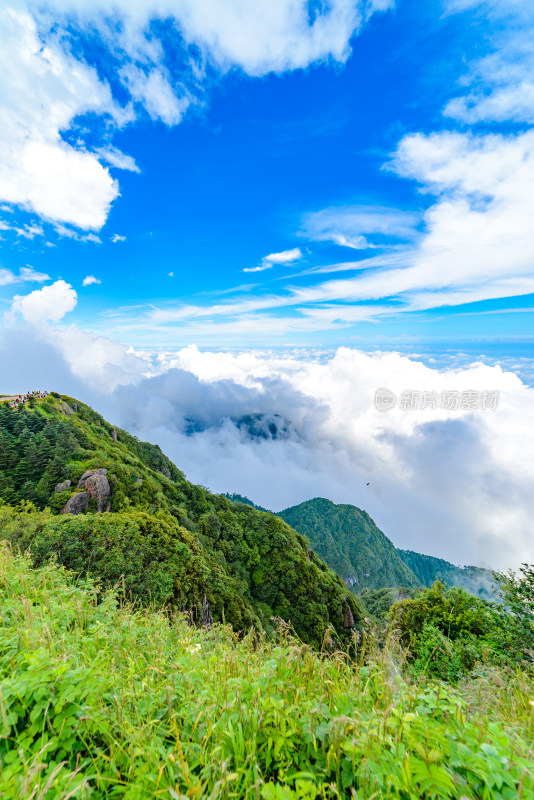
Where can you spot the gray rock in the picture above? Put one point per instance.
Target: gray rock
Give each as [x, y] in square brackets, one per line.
[139, 480]
[166, 471]
[114, 435]
[76, 504]
[62, 486]
[207, 619]
[99, 471]
[98, 487]
[348, 621]
[75, 406]
[84, 477]
[66, 408]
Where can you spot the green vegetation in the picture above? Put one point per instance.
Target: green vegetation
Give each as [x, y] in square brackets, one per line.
[351, 544]
[449, 632]
[377, 602]
[103, 701]
[189, 645]
[429, 569]
[165, 538]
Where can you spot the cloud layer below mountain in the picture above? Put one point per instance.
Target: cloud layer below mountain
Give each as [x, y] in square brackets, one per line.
[456, 484]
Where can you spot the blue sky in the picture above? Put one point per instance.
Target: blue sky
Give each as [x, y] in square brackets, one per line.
[364, 182]
[211, 210]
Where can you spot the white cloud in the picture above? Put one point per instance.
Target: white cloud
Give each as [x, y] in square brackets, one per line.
[28, 273]
[264, 36]
[118, 238]
[350, 226]
[501, 87]
[29, 231]
[116, 158]
[156, 94]
[50, 303]
[89, 280]
[170, 274]
[45, 87]
[284, 257]
[476, 243]
[6, 276]
[441, 482]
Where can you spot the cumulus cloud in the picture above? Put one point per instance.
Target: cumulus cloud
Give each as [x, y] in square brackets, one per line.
[46, 86]
[43, 88]
[456, 484]
[89, 280]
[50, 303]
[117, 238]
[440, 482]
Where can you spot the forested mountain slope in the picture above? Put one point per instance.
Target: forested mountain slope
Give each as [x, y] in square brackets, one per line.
[350, 542]
[119, 509]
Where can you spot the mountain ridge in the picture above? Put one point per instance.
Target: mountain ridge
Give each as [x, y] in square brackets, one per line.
[423, 569]
[159, 534]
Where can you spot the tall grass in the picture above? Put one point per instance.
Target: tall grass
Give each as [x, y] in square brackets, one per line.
[103, 701]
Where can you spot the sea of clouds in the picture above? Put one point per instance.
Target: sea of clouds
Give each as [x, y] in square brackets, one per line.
[451, 483]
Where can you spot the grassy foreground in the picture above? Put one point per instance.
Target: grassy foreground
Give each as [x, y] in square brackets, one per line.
[99, 700]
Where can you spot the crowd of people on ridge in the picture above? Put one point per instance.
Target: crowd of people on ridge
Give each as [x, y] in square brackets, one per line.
[22, 399]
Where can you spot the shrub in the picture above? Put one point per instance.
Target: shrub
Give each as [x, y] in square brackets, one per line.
[101, 701]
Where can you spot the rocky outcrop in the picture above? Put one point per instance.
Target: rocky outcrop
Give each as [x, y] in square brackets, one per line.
[99, 471]
[96, 484]
[76, 504]
[114, 435]
[207, 619]
[66, 409]
[165, 471]
[61, 487]
[98, 488]
[348, 620]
